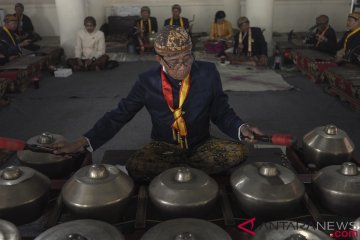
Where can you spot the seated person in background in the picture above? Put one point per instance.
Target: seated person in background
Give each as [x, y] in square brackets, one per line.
[176, 19]
[324, 38]
[10, 45]
[349, 45]
[25, 28]
[250, 42]
[220, 32]
[146, 27]
[89, 49]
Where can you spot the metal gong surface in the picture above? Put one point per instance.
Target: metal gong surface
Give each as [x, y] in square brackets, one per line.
[266, 182]
[97, 185]
[42, 158]
[21, 185]
[288, 230]
[186, 229]
[338, 187]
[183, 187]
[264, 189]
[327, 145]
[8, 231]
[98, 192]
[85, 229]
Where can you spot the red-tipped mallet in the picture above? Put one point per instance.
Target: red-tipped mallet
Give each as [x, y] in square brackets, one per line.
[11, 144]
[277, 139]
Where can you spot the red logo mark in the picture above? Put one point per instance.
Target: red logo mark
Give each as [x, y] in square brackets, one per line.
[249, 231]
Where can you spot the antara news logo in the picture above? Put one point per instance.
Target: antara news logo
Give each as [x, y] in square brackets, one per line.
[338, 230]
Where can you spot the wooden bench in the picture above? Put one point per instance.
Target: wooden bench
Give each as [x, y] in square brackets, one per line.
[344, 83]
[312, 63]
[52, 54]
[120, 30]
[22, 69]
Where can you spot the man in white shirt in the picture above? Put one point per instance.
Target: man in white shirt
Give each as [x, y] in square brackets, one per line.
[89, 49]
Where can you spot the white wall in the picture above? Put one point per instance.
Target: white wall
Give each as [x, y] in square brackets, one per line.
[288, 14]
[96, 9]
[300, 14]
[70, 24]
[204, 11]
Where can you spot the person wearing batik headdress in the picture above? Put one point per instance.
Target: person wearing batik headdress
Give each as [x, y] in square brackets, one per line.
[10, 45]
[144, 27]
[176, 19]
[250, 42]
[25, 27]
[349, 45]
[183, 97]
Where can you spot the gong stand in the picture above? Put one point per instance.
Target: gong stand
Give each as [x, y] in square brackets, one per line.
[226, 207]
[142, 198]
[305, 174]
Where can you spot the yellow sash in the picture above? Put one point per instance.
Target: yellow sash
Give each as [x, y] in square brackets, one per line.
[181, 22]
[322, 35]
[142, 27]
[348, 36]
[178, 126]
[241, 39]
[10, 35]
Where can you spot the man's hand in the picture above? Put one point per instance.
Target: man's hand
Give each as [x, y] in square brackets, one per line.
[138, 31]
[70, 147]
[321, 38]
[357, 56]
[239, 49]
[25, 43]
[12, 58]
[24, 36]
[339, 56]
[247, 133]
